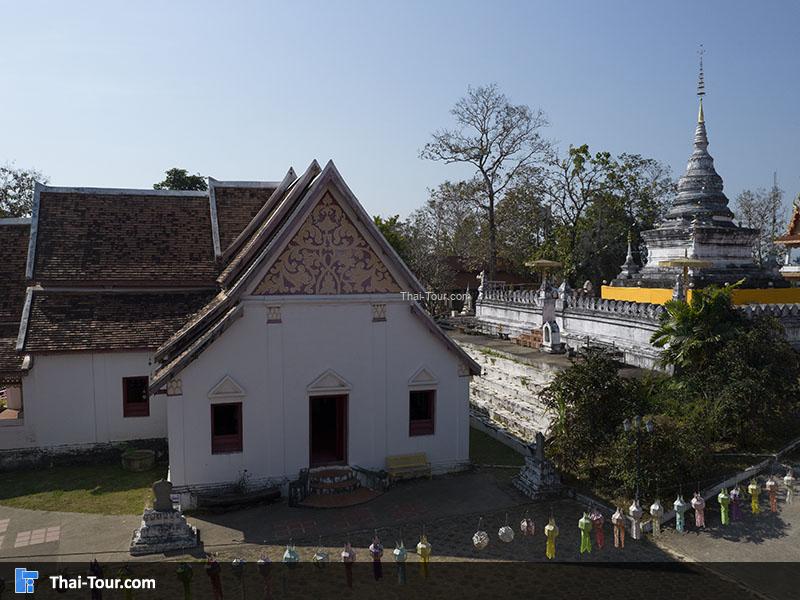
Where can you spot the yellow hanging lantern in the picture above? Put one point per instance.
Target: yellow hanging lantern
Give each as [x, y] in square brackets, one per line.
[551, 532]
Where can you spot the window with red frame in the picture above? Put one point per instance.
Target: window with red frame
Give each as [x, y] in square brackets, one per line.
[135, 397]
[421, 405]
[226, 428]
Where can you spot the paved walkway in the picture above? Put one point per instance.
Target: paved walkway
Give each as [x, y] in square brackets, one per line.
[449, 509]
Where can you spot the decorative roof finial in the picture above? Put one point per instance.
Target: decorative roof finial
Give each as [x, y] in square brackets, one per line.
[701, 86]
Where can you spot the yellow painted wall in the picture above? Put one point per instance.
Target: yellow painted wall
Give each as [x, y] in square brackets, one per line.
[661, 295]
[636, 294]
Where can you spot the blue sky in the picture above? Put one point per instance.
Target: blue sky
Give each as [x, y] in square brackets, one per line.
[114, 93]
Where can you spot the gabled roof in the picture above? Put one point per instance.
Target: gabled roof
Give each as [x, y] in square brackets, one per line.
[81, 320]
[121, 237]
[236, 203]
[792, 235]
[14, 235]
[272, 230]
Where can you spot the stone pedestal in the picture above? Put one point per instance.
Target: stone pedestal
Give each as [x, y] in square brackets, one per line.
[163, 531]
[163, 528]
[538, 478]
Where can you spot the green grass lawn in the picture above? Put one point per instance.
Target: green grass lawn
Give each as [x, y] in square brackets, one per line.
[485, 450]
[102, 489]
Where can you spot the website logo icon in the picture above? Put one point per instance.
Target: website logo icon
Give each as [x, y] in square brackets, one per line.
[24, 580]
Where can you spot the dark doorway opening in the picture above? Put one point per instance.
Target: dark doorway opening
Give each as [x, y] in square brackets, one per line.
[328, 430]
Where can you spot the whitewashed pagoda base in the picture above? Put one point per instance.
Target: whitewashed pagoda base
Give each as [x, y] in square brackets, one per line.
[163, 531]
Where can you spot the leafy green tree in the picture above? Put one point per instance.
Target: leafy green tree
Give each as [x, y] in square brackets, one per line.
[179, 179]
[691, 333]
[16, 190]
[589, 401]
[393, 229]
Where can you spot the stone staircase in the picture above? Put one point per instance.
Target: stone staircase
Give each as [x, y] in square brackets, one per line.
[332, 480]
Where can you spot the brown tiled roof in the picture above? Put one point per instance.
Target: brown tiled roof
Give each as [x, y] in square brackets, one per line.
[236, 207]
[67, 321]
[148, 239]
[13, 254]
[10, 360]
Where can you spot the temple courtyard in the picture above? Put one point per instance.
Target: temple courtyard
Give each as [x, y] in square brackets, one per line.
[449, 509]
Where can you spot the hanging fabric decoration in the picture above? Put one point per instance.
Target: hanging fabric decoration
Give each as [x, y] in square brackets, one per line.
[788, 481]
[184, 573]
[656, 511]
[551, 532]
[376, 551]
[125, 574]
[680, 507]
[699, 506]
[618, 521]
[772, 491]
[598, 521]
[526, 526]
[265, 570]
[505, 533]
[724, 506]
[213, 571]
[736, 507]
[480, 539]
[290, 555]
[755, 491]
[424, 551]
[237, 567]
[400, 556]
[585, 525]
[348, 558]
[635, 511]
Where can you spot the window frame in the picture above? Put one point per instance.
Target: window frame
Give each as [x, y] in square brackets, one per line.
[135, 409]
[420, 427]
[231, 443]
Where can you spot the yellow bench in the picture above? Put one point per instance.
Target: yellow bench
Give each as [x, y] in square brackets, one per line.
[408, 466]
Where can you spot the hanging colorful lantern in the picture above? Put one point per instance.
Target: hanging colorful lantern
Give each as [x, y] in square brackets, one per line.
[635, 511]
[680, 507]
[736, 507]
[699, 506]
[618, 521]
[424, 550]
[290, 555]
[527, 526]
[480, 538]
[585, 526]
[400, 556]
[656, 511]
[598, 520]
[788, 481]
[724, 506]
[213, 571]
[551, 532]
[755, 491]
[376, 552]
[184, 573]
[772, 491]
[348, 558]
[237, 568]
[320, 558]
[265, 570]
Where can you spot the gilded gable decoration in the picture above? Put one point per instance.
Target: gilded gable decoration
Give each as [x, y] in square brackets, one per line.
[328, 256]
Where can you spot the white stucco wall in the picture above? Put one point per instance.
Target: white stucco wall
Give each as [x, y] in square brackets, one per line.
[275, 363]
[75, 399]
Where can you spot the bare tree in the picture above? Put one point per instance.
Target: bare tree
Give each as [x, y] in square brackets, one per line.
[499, 139]
[763, 210]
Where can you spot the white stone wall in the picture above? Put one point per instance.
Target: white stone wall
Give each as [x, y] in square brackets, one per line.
[72, 400]
[275, 363]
